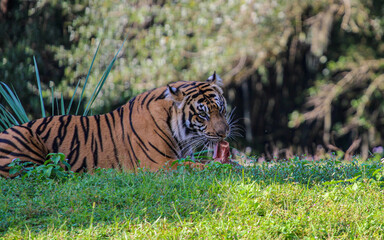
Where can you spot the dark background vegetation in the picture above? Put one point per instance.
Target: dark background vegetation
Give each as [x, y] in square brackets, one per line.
[305, 76]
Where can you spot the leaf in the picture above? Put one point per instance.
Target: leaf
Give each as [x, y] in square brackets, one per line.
[62, 156]
[62, 105]
[73, 97]
[353, 179]
[13, 171]
[101, 82]
[52, 101]
[47, 161]
[56, 159]
[48, 172]
[39, 86]
[67, 164]
[173, 163]
[86, 79]
[14, 102]
[6, 119]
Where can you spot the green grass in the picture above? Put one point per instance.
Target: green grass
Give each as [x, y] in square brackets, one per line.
[297, 199]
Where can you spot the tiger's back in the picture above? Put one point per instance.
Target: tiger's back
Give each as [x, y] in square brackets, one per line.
[146, 132]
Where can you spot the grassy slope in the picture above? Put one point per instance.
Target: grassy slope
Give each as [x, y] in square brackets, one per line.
[285, 200]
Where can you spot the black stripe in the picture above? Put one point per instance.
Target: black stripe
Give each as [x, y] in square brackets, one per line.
[83, 166]
[132, 100]
[169, 145]
[97, 119]
[6, 141]
[94, 149]
[204, 85]
[43, 125]
[145, 152]
[169, 139]
[84, 121]
[75, 147]
[149, 101]
[113, 141]
[133, 152]
[30, 123]
[163, 154]
[46, 136]
[36, 145]
[188, 86]
[168, 121]
[121, 115]
[27, 156]
[5, 132]
[23, 140]
[21, 134]
[61, 132]
[198, 94]
[190, 91]
[36, 137]
[162, 95]
[28, 148]
[132, 128]
[189, 100]
[112, 114]
[145, 98]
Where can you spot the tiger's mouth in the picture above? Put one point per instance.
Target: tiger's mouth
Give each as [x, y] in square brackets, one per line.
[215, 139]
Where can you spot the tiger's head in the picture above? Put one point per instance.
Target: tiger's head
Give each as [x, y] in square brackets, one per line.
[200, 113]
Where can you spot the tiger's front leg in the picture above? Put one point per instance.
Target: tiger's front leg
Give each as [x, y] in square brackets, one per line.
[22, 143]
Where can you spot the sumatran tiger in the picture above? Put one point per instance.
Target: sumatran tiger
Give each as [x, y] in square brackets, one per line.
[153, 128]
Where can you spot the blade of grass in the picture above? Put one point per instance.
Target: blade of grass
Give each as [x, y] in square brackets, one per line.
[6, 119]
[62, 105]
[18, 100]
[57, 106]
[38, 84]
[52, 102]
[73, 97]
[86, 79]
[14, 102]
[101, 82]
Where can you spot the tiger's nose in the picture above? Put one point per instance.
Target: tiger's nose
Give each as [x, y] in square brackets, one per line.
[222, 130]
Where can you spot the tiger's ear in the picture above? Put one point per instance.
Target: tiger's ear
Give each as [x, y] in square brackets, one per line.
[215, 79]
[174, 94]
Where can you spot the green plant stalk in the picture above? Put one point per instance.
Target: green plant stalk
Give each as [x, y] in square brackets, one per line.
[7, 120]
[39, 86]
[86, 80]
[52, 102]
[62, 105]
[101, 82]
[14, 102]
[73, 97]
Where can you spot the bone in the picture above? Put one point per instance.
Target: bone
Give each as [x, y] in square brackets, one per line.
[221, 153]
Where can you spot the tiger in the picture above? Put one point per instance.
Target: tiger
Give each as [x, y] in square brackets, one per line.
[150, 131]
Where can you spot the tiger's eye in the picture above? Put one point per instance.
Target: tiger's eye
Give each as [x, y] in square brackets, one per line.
[203, 115]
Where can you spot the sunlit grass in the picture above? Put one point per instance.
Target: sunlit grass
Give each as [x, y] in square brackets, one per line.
[288, 200]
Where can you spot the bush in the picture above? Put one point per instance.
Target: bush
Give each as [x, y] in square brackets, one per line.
[55, 168]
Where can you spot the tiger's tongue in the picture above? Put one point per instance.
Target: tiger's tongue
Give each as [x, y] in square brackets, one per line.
[221, 153]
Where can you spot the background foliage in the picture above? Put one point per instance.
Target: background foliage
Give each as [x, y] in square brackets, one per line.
[302, 74]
